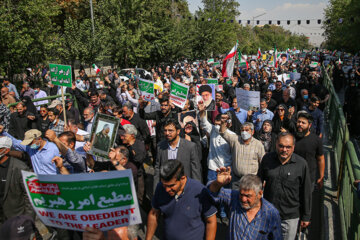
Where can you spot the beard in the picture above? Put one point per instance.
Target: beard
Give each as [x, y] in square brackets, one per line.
[207, 103]
[302, 133]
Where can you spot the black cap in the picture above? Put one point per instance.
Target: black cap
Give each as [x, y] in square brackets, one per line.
[19, 228]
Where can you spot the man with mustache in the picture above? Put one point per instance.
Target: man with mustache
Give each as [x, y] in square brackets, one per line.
[287, 182]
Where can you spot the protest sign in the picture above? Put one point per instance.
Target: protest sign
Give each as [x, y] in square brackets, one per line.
[61, 75]
[295, 76]
[212, 81]
[314, 64]
[103, 200]
[284, 77]
[147, 89]
[206, 93]
[178, 93]
[248, 100]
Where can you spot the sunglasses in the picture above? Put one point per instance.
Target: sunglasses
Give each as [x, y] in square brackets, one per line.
[281, 109]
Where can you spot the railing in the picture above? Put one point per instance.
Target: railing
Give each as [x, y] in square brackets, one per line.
[347, 165]
[66, 95]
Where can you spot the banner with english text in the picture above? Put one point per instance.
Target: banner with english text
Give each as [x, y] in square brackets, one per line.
[103, 200]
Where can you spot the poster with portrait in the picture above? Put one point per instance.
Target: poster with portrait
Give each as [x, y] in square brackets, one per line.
[185, 118]
[206, 93]
[103, 134]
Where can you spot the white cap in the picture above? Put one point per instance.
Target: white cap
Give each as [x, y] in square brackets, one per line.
[5, 142]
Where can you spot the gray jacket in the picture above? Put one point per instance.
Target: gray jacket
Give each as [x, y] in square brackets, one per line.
[187, 154]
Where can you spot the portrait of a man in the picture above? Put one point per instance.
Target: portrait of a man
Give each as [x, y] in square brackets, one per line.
[102, 139]
[206, 93]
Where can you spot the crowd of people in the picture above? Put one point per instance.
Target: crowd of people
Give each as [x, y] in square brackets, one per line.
[254, 169]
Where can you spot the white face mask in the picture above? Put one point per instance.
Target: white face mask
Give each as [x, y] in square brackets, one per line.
[245, 135]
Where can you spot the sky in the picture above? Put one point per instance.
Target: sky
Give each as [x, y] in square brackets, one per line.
[282, 10]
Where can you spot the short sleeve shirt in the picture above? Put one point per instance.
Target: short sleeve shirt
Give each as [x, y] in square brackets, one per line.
[309, 148]
[184, 215]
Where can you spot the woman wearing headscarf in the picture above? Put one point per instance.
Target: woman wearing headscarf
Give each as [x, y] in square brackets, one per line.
[30, 107]
[267, 137]
[283, 121]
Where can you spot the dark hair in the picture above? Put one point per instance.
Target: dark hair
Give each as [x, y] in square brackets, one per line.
[54, 111]
[124, 151]
[117, 110]
[71, 138]
[306, 115]
[165, 98]
[171, 169]
[93, 93]
[72, 121]
[285, 134]
[218, 117]
[314, 99]
[173, 122]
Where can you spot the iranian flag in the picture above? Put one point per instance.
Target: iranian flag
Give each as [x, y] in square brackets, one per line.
[275, 57]
[96, 69]
[242, 60]
[228, 62]
[259, 54]
[339, 62]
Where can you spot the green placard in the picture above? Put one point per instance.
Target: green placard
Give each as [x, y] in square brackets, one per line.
[212, 81]
[61, 75]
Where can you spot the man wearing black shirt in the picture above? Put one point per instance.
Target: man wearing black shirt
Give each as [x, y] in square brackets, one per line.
[278, 92]
[287, 185]
[270, 101]
[160, 117]
[137, 121]
[309, 146]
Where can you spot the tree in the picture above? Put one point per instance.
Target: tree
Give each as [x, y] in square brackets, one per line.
[342, 28]
[27, 33]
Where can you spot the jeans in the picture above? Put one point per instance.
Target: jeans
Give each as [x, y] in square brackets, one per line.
[289, 228]
[210, 177]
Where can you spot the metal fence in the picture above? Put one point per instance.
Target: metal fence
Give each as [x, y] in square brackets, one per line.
[347, 165]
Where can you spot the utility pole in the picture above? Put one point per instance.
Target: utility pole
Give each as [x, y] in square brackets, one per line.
[92, 17]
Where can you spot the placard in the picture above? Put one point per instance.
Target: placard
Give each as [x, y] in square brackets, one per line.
[61, 75]
[103, 200]
[248, 100]
[147, 89]
[178, 93]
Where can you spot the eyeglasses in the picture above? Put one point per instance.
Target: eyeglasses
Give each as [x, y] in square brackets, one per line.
[281, 109]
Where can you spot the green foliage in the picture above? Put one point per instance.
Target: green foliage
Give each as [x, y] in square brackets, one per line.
[343, 35]
[131, 33]
[27, 33]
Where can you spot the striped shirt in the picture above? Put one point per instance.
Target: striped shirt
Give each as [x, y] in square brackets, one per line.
[58, 128]
[246, 158]
[265, 225]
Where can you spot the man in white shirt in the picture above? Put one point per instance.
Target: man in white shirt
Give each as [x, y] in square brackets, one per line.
[219, 149]
[39, 94]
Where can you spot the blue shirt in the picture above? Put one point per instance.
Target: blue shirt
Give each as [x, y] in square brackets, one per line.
[241, 114]
[262, 116]
[265, 225]
[40, 159]
[184, 216]
[12, 88]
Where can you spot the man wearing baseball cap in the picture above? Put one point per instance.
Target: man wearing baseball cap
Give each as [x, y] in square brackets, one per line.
[13, 197]
[41, 152]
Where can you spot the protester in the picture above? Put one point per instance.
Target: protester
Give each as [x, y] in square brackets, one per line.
[287, 175]
[184, 204]
[175, 147]
[247, 151]
[247, 207]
